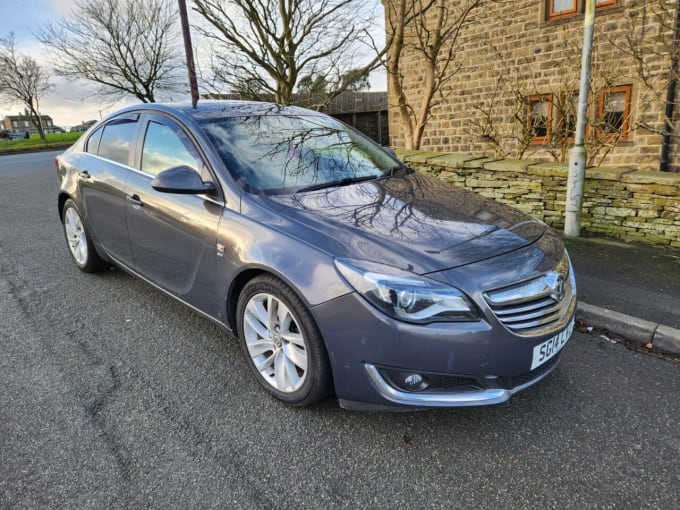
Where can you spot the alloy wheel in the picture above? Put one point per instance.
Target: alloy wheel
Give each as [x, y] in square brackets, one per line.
[75, 235]
[275, 342]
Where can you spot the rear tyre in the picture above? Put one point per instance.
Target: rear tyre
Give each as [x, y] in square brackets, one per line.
[282, 343]
[78, 240]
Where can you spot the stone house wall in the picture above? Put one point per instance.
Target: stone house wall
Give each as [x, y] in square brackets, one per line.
[510, 52]
[628, 204]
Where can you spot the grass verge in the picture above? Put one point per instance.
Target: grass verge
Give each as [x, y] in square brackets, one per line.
[54, 141]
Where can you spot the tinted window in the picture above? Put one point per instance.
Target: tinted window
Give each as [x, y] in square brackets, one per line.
[281, 154]
[117, 140]
[165, 147]
[93, 141]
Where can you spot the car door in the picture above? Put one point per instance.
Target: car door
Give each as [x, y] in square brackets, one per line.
[104, 168]
[173, 236]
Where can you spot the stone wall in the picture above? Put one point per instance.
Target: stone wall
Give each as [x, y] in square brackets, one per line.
[628, 204]
[509, 52]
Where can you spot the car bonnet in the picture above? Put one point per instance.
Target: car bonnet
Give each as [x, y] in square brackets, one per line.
[412, 221]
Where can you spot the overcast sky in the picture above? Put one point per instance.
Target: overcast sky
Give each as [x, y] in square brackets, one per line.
[69, 103]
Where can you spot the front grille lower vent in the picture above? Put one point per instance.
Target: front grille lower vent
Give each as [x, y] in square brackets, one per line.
[532, 307]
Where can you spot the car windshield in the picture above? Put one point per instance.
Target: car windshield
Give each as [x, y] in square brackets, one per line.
[287, 154]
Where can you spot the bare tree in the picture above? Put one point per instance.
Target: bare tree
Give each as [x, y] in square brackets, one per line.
[22, 80]
[271, 45]
[652, 40]
[504, 120]
[126, 47]
[427, 32]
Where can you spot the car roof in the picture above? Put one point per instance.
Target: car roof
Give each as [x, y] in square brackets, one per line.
[211, 109]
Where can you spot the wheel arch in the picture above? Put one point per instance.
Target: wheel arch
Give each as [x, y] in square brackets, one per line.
[235, 289]
[63, 197]
[242, 279]
[321, 381]
[293, 281]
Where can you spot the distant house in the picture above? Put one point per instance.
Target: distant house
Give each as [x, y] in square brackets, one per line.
[23, 123]
[81, 128]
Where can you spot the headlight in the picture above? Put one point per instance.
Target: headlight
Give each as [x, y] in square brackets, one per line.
[406, 296]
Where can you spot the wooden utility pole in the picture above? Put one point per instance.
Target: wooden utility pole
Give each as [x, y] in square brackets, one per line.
[189, 50]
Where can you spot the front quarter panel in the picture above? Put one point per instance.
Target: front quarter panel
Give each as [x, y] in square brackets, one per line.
[246, 245]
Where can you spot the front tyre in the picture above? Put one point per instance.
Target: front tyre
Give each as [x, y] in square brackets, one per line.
[78, 239]
[281, 342]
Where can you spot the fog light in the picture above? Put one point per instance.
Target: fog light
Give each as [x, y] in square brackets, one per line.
[406, 380]
[414, 382]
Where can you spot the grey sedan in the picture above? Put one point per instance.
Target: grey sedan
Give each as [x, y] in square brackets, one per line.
[338, 267]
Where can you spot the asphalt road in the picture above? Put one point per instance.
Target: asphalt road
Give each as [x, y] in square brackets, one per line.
[113, 395]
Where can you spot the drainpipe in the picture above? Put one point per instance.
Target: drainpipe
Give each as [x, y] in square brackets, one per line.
[670, 93]
[577, 154]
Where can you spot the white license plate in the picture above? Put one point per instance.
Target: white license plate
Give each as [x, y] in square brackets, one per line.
[543, 352]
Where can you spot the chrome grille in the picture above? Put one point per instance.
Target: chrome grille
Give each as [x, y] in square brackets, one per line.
[535, 306]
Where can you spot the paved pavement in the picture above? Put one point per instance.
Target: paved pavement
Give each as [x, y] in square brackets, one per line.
[632, 290]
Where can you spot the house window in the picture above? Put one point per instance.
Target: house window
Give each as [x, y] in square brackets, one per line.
[15, 124]
[614, 111]
[539, 117]
[560, 8]
[557, 9]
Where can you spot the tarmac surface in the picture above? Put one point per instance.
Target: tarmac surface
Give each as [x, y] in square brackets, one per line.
[632, 290]
[114, 395]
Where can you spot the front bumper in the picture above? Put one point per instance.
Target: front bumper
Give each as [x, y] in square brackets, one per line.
[456, 398]
[488, 362]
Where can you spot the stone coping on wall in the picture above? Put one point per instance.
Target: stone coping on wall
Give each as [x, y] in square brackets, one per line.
[630, 204]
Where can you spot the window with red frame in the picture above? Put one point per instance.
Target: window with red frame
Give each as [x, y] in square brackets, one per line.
[614, 111]
[539, 117]
[557, 9]
[561, 8]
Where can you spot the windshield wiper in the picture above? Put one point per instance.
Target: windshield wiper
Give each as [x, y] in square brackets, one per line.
[340, 182]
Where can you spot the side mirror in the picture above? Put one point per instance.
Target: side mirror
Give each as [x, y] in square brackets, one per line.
[390, 151]
[182, 180]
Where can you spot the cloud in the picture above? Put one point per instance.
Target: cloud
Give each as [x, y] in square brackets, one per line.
[62, 7]
[68, 103]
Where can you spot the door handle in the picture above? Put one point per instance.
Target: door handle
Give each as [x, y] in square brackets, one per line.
[134, 200]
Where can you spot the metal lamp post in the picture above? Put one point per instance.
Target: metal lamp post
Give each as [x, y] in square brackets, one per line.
[577, 155]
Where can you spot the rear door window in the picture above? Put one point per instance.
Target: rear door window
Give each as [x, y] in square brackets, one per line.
[93, 141]
[118, 140]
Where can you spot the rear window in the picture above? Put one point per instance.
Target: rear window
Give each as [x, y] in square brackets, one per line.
[117, 140]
